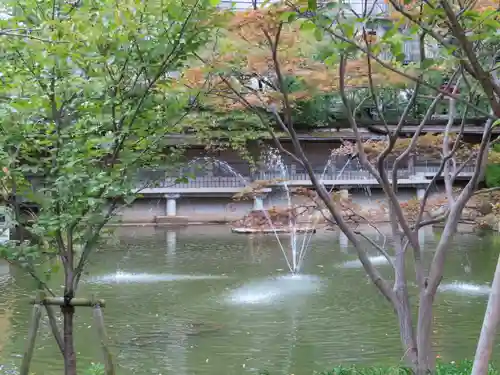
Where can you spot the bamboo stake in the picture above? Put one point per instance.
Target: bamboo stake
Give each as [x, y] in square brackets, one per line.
[55, 329]
[33, 330]
[59, 301]
[101, 332]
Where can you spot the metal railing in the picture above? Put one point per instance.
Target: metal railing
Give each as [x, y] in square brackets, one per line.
[218, 177]
[431, 169]
[198, 175]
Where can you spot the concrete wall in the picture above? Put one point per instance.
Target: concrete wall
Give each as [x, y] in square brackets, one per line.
[207, 209]
[212, 208]
[143, 210]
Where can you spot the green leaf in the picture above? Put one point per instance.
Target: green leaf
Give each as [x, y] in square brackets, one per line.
[332, 5]
[427, 63]
[331, 60]
[288, 16]
[307, 26]
[318, 34]
[348, 29]
[312, 5]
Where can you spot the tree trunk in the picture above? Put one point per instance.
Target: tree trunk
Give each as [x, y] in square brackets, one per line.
[406, 332]
[484, 163]
[69, 350]
[426, 359]
[490, 325]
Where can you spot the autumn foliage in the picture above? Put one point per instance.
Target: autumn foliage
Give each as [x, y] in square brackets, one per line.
[426, 146]
[245, 51]
[415, 7]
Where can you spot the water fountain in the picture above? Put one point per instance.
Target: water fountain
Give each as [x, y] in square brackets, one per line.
[277, 220]
[284, 220]
[277, 289]
[225, 166]
[273, 290]
[467, 289]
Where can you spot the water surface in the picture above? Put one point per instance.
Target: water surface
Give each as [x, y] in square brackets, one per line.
[205, 301]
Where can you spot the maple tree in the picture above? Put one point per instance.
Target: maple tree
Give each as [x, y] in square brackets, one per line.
[426, 145]
[240, 67]
[459, 77]
[414, 7]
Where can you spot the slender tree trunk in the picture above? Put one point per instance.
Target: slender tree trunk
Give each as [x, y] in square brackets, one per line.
[69, 350]
[484, 163]
[402, 300]
[426, 359]
[489, 329]
[406, 331]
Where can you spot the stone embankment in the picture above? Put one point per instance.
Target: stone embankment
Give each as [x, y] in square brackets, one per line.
[482, 211]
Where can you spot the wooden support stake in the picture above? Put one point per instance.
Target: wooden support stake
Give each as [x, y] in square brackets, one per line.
[33, 330]
[101, 332]
[59, 301]
[55, 329]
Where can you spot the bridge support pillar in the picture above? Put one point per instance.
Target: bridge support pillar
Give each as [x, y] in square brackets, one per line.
[258, 202]
[421, 236]
[171, 205]
[343, 241]
[420, 192]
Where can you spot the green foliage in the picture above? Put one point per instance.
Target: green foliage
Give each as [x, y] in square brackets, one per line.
[492, 175]
[86, 102]
[227, 129]
[452, 368]
[95, 369]
[353, 370]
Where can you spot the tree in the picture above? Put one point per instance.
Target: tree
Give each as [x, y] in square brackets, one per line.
[240, 55]
[461, 72]
[82, 109]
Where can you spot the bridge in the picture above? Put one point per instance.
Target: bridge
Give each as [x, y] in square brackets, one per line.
[219, 182]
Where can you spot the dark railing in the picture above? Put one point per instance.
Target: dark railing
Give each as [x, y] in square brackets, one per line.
[202, 174]
[209, 182]
[217, 176]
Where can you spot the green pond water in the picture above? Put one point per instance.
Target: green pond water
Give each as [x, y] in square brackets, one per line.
[205, 301]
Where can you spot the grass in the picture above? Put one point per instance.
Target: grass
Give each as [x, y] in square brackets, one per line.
[453, 368]
[95, 369]
[458, 368]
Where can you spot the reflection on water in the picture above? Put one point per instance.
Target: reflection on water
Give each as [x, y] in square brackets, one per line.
[205, 301]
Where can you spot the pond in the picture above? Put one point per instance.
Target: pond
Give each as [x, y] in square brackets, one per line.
[205, 301]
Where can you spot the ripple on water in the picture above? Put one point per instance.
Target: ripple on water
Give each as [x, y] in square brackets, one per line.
[275, 289]
[465, 288]
[376, 261]
[125, 277]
